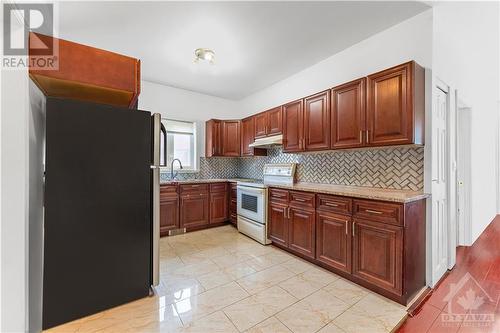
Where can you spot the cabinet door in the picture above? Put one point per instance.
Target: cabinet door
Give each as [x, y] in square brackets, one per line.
[169, 214]
[302, 231]
[261, 123]
[213, 142]
[275, 121]
[390, 107]
[231, 138]
[194, 210]
[218, 207]
[377, 254]
[293, 126]
[247, 136]
[348, 115]
[277, 228]
[333, 240]
[317, 121]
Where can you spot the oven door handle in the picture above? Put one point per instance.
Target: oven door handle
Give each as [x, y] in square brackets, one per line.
[244, 189]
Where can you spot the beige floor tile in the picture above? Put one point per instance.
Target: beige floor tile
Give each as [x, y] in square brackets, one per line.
[387, 312]
[353, 321]
[297, 265]
[203, 255]
[231, 259]
[210, 301]
[346, 291]
[165, 319]
[270, 325]
[312, 313]
[308, 282]
[252, 310]
[174, 290]
[195, 270]
[262, 280]
[215, 279]
[331, 328]
[214, 323]
[269, 260]
[240, 270]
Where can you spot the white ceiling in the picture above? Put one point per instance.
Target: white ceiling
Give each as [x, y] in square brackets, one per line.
[256, 43]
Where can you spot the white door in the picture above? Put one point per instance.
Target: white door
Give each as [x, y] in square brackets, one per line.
[439, 228]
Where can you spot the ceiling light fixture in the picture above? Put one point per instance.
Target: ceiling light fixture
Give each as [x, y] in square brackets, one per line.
[204, 54]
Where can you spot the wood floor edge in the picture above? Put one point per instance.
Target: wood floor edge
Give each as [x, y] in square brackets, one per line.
[419, 301]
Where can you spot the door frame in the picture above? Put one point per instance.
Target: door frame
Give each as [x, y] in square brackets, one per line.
[464, 227]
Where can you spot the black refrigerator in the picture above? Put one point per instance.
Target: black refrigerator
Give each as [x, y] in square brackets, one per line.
[101, 208]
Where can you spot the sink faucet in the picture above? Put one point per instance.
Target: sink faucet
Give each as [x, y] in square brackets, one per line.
[172, 175]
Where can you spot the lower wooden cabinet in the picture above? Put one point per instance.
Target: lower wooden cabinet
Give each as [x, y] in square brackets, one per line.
[301, 231]
[333, 240]
[378, 254]
[277, 228]
[194, 210]
[233, 217]
[169, 213]
[218, 203]
[377, 244]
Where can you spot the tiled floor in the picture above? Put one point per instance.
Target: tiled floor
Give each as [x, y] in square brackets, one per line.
[479, 267]
[218, 280]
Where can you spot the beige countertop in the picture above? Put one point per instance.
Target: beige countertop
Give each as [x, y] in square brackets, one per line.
[374, 193]
[198, 181]
[402, 196]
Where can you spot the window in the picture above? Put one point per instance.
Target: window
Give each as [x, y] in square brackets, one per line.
[181, 143]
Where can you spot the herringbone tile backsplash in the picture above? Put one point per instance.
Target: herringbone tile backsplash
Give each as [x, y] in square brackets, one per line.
[393, 167]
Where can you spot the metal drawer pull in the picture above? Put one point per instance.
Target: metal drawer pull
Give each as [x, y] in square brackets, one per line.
[284, 211]
[346, 226]
[331, 204]
[301, 200]
[195, 185]
[373, 211]
[353, 228]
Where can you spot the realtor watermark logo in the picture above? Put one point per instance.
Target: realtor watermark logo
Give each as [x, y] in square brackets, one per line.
[27, 36]
[468, 304]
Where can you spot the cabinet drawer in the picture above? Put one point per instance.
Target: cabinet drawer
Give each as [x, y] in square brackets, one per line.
[379, 211]
[193, 188]
[168, 189]
[219, 187]
[278, 195]
[302, 199]
[331, 203]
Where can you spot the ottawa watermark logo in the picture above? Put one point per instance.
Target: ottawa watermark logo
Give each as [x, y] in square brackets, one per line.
[468, 304]
[27, 36]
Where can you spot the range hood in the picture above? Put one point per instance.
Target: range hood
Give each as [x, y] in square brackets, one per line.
[267, 142]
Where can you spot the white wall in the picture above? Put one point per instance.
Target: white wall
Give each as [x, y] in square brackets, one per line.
[183, 104]
[466, 56]
[408, 40]
[14, 201]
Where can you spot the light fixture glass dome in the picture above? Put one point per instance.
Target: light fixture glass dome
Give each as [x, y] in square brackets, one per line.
[204, 54]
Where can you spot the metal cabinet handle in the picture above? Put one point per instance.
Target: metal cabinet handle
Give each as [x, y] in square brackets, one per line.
[353, 229]
[346, 226]
[299, 199]
[373, 211]
[367, 136]
[331, 204]
[284, 212]
[289, 212]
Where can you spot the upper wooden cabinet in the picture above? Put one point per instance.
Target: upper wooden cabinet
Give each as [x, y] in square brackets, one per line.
[213, 142]
[348, 115]
[317, 121]
[231, 138]
[293, 126]
[275, 121]
[85, 73]
[384, 109]
[261, 125]
[269, 123]
[395, 106]
[222, 138]
[247, 137]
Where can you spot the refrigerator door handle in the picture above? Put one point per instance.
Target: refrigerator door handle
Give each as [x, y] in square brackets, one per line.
[156, 198]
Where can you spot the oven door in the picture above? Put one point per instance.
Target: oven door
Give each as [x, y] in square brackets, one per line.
[251, 203]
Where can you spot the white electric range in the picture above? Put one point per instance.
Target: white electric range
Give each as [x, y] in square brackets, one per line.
[252, 200]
